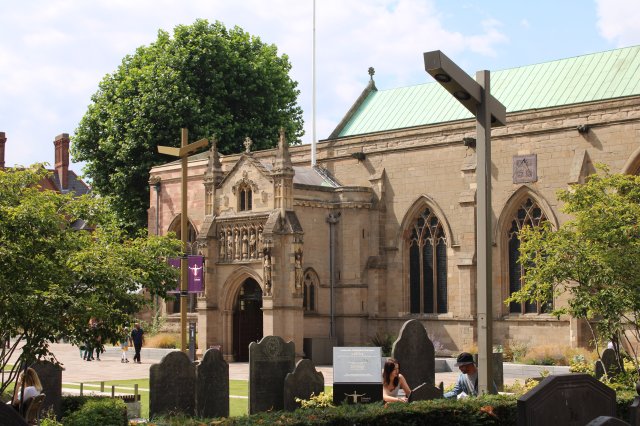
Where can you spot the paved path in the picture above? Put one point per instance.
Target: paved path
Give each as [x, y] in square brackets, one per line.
[76, 370]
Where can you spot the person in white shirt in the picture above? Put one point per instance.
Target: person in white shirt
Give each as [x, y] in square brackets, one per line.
[32, 387]
[392, 382]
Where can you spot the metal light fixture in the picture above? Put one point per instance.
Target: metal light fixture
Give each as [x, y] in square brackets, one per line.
[462, 86]
[476, 97]
[442, 78]
[469, 142]
[461, 95]
[583, 129]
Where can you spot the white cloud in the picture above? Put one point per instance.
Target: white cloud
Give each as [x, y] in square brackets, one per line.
[618, 21]
[57, 51]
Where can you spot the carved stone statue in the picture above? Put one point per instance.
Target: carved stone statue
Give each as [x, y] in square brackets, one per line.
[245, 244]
[229, 245]
[237, 243]
[252, 245]
[222, 242]
[298, 276]
[267, 271]
[260, 242]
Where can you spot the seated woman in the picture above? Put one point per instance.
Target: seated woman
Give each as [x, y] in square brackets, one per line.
[392, 381]
[32, 387]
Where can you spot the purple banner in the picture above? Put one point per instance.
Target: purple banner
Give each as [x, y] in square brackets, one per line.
[195, 272]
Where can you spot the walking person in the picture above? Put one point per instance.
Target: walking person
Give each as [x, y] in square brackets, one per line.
[137, 337]
[125, 342]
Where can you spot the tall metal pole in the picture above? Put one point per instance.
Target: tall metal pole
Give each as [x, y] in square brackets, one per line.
[483, 241]
[184, 277]
[332, 220]
[313, 95]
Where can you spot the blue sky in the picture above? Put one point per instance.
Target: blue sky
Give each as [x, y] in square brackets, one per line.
[53, 53]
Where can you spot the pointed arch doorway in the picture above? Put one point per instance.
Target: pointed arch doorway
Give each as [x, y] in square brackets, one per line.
[247, 319]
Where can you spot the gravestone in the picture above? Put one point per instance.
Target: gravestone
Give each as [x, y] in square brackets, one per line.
[566, 399]
[416, 356]
[172, 385]
[607, 363]
[10, 417]
[270, 361]
[50, 376]
[212, 385]
[498, 369]
[302, 383]
[607, 421]
[414, 352]
[634, 412]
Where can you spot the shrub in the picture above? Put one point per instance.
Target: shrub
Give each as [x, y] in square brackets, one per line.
[103, 411]
[384, 340]
[322, 400]
[162, 340]
[514, 350]
[49, 419]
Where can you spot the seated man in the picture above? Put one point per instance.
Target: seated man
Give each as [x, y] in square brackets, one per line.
[467, 383]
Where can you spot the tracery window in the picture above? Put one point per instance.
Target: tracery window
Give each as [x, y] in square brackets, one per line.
[245, 198]
[310, 291]
[529, 214]
[427, 265]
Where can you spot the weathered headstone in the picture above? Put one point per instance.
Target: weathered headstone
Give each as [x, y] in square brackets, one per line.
[212, 385]
[634, 412]
[10, 417]
[270, 361]
[566, 399]
[50, 376]
[302, 383]
[607, 421]
[608, 363]
[498, 369]
[172, 385]
[414, 352]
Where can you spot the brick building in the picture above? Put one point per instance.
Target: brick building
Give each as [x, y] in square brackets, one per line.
[385, 224]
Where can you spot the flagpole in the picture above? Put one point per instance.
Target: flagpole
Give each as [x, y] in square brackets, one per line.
[313, 95]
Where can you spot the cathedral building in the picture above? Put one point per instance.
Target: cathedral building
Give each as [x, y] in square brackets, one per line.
[382, 229]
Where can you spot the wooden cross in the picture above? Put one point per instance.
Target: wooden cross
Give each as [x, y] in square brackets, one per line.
[183, 153]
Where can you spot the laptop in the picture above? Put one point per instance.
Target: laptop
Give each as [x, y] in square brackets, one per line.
[414, 390]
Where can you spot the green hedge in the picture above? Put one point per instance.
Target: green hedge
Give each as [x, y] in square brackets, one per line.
[99, 411]
[487, 410]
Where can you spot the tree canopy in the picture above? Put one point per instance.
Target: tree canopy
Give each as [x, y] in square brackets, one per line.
[595, 257]
[209, 79]
[54, 278]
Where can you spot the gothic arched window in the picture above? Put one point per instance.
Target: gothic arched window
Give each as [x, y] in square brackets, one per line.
[245, 199]
[529, 214]
[427, 265]
[310, 291]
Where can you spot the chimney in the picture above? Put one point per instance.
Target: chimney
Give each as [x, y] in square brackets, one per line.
[62, 159]
[3, 140]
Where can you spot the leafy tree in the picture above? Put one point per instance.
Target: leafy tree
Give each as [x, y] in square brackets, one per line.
[207, 78]
[54, 278]
[595, 258]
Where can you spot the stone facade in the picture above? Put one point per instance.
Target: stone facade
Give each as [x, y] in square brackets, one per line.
[380, 183]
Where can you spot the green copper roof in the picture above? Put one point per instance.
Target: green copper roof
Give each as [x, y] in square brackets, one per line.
[594, 77]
